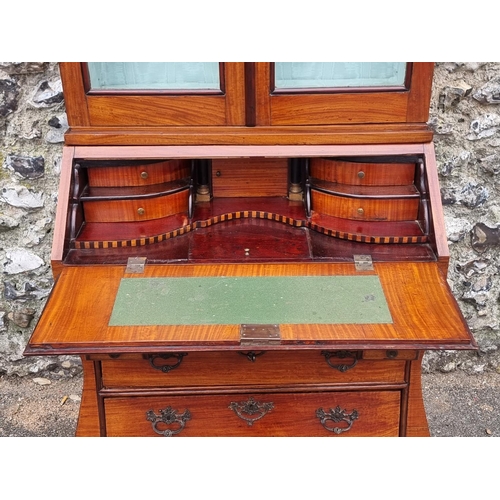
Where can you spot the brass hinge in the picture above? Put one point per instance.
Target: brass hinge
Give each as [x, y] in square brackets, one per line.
[363, 263]
[135, 265]
[260, 334]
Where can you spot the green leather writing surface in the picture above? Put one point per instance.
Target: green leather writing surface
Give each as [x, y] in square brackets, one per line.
[255, 300]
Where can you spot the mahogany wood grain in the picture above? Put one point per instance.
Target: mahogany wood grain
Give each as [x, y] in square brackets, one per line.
[369, 228]
[344, 107]
[276, 205]
[250, 177]
[249, 240]
[146, 153]
[366, 191]
[140, 175]
[365, 209]
[88, 421]
[271, 368]
[235, 93]
[416, 419]
[135, 192]
[373, 174]
[262, 72]
[173, 250]
[420, 95]
[88, 418]
[220, 206]
[75, 99]
[108, 231]
[318, 109]
[136, 210]
[423, 309]
[154, 109]
[249, 132]
[293, 414]
[265, 135]
[344, 249]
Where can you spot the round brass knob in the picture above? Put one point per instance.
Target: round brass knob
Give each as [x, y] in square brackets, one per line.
[144, 175]
[141, 211]
[361, 174]
[361, 211]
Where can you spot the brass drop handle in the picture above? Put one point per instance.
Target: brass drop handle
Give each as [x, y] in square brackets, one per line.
[167, 417]
[155, 360]
[361, 211]
[341, 367]
[141, 211]
[337, 415]
[250, 411]
[144, 175]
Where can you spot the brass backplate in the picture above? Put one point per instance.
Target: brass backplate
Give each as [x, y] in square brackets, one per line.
[260, 334]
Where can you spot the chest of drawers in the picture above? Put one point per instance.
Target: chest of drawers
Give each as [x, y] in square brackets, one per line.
[256, 393]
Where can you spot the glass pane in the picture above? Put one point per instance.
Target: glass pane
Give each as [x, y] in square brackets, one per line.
[154, 75]
[300, 75]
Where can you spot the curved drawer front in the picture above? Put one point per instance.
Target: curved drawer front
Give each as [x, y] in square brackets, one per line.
[138, 175]
[269, 414]
[138, 209]
[235, 368]
[389, 209]
[362, 174]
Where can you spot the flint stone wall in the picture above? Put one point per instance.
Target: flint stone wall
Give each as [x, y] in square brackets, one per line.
[465, 116]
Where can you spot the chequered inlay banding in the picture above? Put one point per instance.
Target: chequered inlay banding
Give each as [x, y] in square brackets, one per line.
[246, 214]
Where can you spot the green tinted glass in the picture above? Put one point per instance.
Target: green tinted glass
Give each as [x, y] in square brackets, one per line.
[154, 75]
[299, 75]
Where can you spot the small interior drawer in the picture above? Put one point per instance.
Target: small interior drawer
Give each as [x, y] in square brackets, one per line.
[362, 173]
[360, 208]
[143, 174]
[139, 209]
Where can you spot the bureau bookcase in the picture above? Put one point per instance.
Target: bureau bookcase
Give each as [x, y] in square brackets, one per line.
[249, 249]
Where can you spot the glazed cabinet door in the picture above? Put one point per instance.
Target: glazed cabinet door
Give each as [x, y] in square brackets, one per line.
[332, 93]
[153, 94]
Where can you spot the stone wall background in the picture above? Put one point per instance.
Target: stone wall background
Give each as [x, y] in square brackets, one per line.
[465, 116]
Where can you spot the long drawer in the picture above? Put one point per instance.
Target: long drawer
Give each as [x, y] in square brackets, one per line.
[248, 367]
[363, 413]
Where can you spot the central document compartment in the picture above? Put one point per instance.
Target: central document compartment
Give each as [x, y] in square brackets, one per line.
[250, 300]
